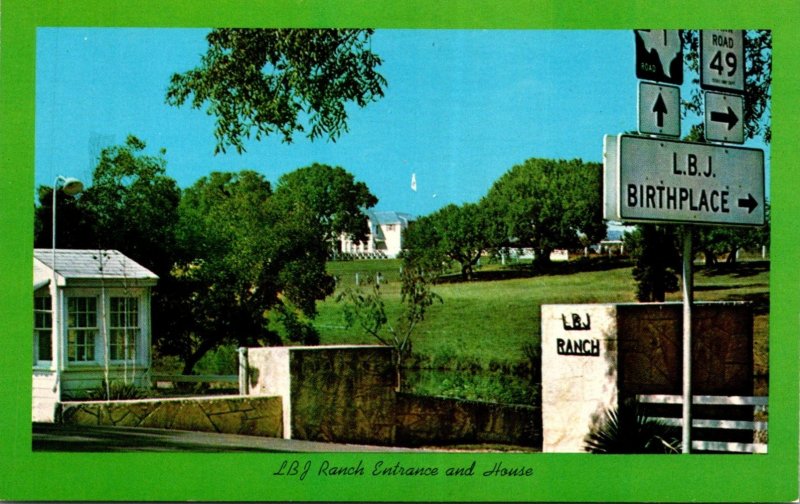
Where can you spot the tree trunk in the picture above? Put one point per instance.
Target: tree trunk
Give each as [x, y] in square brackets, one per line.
[194, 358]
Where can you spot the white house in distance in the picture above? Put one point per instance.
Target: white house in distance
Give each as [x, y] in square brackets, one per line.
[91, 313]
[385, 237]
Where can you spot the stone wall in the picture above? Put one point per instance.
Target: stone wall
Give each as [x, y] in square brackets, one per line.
[343, 394]
[426, 420]
[258, 416]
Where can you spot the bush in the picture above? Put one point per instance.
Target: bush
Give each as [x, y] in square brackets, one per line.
[117, 391]
[628, 430]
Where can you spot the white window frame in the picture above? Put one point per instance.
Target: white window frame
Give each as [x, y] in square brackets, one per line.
[96, 329]
[39, 330]
[135, 329]
[102, 348]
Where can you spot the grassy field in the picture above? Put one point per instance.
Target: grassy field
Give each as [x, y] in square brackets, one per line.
[485, 324]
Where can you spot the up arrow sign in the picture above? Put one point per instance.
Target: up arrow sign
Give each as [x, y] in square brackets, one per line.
[659, 109]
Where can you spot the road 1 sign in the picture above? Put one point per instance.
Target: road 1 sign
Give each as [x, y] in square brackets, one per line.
[724, 113]
[659, 55]
[661, 180]
[722, 60]
[659, 109]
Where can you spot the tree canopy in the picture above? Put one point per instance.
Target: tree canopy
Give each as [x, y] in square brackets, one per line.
[326, 199]
[280, 81]
[453, 233]
[547, 204]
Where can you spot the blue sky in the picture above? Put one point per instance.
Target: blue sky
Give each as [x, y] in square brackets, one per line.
[461, 108]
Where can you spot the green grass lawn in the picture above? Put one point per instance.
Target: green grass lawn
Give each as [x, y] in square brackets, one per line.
[486, 323]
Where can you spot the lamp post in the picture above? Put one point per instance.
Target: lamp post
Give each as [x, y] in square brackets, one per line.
[70, 186]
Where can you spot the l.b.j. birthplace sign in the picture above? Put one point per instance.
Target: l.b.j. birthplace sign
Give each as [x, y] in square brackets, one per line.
[659, 180]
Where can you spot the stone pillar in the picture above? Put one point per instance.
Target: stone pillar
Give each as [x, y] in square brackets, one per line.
[579, 372]
[340, 393]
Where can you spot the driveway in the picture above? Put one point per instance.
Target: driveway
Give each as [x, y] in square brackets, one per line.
[57, 437]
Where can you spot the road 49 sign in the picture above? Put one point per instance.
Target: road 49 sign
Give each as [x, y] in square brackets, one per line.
[722, 60]
[661, 180]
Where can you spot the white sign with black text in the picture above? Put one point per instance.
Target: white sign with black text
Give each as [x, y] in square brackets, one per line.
[659, 109]
[660, 180]
[724, 113]
[722, 60]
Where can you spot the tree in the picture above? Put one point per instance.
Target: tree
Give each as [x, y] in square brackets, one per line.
[547, 204]
[134, 205]
[713, 241]
[453, 233]
[75, 227]
[327, 200]
[254, 259]
[367, 310]
[657, 260]
[232, 275]
[280, 81]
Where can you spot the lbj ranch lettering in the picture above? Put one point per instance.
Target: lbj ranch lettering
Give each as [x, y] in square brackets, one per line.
[577, 323]
[586, 347]
[300, 469]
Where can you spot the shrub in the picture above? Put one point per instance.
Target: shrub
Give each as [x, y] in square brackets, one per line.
[117, 391]
[627, 430]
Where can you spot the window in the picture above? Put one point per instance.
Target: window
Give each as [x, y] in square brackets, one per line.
[123, 328]
[42, 329]
[81, 328]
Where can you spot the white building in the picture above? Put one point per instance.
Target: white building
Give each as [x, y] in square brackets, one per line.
[91, 322]
[385, 237]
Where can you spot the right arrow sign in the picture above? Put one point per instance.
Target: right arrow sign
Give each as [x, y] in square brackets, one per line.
[724, 118]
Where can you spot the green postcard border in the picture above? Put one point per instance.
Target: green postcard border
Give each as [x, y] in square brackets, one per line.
[25, 475]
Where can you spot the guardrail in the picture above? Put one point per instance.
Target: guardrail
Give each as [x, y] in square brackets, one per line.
[716, 427]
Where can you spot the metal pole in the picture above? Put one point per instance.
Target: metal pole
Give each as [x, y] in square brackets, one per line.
[686, 440]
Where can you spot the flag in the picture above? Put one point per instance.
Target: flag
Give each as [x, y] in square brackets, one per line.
[414, 182]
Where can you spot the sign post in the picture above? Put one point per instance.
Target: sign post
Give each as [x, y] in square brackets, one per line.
[688, 299]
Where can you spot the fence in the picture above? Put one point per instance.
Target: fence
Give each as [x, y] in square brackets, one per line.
[727, 424]
[164, 379]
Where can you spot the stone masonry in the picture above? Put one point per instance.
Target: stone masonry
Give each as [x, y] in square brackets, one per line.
[258, 416]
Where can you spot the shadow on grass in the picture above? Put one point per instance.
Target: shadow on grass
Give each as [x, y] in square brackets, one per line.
[760, 301]
[737, 270]
[515, 271]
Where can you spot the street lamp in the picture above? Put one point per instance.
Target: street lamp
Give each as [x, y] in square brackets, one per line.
[70, 186]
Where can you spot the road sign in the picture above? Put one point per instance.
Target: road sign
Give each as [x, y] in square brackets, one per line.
[659, 55]
[724, 113]
[610, 168]
[659, 109]
[722, 60]
[661, 180]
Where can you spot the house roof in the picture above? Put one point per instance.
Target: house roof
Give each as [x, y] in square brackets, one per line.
[93, 263]
[383, 218]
